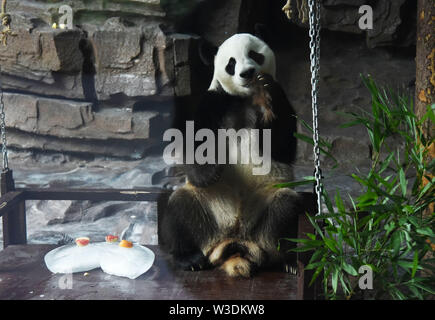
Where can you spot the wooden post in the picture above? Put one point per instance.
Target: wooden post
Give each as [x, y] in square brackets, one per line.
[14, 221]
[305, 291]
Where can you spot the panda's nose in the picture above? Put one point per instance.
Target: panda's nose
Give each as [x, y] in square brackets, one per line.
[248, 74]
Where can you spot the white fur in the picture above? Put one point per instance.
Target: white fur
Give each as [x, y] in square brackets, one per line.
[238, 47]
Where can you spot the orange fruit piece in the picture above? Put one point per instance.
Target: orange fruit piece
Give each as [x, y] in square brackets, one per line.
[126, 244]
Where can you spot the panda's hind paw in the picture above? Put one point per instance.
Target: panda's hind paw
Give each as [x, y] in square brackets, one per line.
[195, 262]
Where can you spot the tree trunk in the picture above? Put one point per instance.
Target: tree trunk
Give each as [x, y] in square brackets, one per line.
[425, 73]
[425, 81]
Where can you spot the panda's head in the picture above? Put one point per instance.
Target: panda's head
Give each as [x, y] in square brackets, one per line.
[238, 60]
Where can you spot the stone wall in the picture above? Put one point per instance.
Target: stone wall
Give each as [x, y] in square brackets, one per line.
[84, 90]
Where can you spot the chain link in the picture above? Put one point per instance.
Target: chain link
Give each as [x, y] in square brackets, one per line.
[314, 20]
[3, 128]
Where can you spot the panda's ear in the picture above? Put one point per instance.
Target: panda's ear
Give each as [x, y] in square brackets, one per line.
[207, 52]
[261, 31]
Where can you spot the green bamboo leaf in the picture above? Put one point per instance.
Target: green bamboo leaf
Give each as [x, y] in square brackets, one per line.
[335, 280]
[294, 184]
[331, 245]
[349, 269]
[315, 275]
[302, 249]
[316, 255]
[311, 236]
[316, 226]
[403, 182]
[339, 203]
[426, 188]
[398, 294]
[405, 264]
[416, 292]
[426, 231]
[354, 123]
[415, 265]
[425, 288]
[428, 115]
[386, 162]
[396, 242]
[303, 137]
[314, 265]
[304, 241]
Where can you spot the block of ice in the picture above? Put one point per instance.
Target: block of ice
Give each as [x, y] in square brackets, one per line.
[113, 259]
[126, 262]
[72, 258]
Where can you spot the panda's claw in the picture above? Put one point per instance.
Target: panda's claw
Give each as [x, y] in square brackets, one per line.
[291, 269]
[193, 262]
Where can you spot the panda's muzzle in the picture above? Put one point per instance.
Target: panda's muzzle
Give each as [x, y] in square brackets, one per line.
[248, 74]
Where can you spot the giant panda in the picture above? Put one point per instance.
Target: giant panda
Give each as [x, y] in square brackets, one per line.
[225, 216]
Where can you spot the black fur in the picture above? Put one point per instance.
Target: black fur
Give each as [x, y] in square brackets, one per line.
[217, 107]
[185, 225]
[231, 66]
[257, 57]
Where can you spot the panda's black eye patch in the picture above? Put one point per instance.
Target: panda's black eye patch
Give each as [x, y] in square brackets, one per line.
[257, 57]
[231, 66]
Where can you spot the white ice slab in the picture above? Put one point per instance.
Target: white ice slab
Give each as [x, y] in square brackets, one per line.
[113, 259]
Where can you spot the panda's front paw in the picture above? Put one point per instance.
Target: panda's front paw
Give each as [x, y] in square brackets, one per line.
[265, 80]
[193, 262]
[262, 97]
[291, 268]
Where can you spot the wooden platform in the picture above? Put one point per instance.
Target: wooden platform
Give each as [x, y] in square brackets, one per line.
[23, 275]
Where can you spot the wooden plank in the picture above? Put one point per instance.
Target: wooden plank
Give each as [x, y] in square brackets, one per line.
[14, 226]
[142, 194]
[305, 291]
[14, 219]
[6, 182]
[10, 201]
[25, 276]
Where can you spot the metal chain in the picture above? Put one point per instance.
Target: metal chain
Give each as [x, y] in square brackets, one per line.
[314, 20]
[3, 128]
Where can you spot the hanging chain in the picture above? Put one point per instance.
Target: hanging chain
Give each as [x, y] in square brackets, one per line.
[314, 19]
[6, 22]
[3, 128]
